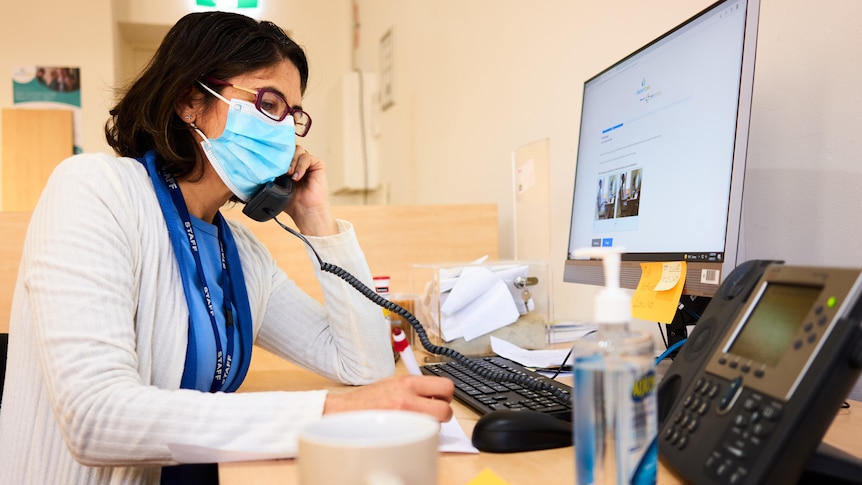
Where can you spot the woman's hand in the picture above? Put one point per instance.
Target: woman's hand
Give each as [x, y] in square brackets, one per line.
[309, 207]
[426, 394]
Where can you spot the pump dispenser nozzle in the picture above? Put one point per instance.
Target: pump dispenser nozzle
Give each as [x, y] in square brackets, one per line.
[613, 304]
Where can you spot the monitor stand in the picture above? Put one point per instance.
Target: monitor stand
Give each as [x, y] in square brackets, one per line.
[687, 313]
[829, 464]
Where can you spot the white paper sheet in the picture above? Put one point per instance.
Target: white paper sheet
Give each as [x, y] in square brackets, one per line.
[470, 285]
[479, 302]
[186, 453]
[494, 309]
[568, 332]
[529, 358]
[508, 274]
[452, 440]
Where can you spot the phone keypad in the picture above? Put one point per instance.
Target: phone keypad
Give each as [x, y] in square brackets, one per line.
[695, 405]
[752, 420]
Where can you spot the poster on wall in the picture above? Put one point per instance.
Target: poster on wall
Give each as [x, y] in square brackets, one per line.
[49, 87]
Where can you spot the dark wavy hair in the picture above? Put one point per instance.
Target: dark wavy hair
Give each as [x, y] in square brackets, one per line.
[204, 44]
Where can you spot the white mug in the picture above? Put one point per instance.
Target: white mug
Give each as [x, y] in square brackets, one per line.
[369, 448]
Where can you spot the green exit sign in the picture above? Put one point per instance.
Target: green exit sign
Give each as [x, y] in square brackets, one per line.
[227, 4]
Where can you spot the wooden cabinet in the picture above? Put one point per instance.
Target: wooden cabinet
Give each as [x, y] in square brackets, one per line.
[34, 141]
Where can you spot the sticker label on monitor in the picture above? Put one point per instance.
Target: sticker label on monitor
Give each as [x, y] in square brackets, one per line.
[710, 276]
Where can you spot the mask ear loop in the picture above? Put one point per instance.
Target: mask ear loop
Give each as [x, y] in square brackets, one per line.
[217, 95]
[198, 130]
[211, 91]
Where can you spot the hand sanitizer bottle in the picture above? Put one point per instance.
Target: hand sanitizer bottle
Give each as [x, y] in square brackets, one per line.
[615, 410]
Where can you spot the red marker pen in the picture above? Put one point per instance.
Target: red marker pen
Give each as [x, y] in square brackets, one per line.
[403, 348]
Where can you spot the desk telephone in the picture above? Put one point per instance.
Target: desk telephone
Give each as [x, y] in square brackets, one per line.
[760, 379]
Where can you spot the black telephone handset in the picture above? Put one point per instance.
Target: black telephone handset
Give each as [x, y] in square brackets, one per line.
[754, 389]
[270, 199]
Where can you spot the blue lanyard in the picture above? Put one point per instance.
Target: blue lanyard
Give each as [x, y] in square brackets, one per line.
[223, 357]
[237, 310]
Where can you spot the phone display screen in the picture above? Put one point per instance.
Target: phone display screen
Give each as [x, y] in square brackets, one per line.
[774, 322]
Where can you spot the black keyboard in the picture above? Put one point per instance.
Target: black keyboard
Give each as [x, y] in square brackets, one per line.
[484, 395]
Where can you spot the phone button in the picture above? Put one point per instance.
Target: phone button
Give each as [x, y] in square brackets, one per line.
[772, 411]
[733, 390]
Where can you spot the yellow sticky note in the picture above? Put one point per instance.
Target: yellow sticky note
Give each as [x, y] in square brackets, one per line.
[657, 295]
[487, 477]
[670, 274]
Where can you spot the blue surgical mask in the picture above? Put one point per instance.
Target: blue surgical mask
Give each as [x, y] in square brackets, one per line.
[252, 150]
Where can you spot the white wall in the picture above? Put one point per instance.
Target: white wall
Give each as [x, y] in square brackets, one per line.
[476, 79]
[802, 194]
[46, 34]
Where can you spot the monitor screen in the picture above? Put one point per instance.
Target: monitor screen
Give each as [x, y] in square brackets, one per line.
[661, 151]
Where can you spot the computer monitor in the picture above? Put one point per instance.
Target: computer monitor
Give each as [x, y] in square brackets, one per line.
[661, 151]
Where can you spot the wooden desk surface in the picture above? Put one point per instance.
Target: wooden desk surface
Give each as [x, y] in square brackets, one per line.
[548, 467]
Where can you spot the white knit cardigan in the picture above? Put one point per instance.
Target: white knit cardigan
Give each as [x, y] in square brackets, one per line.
[98, 337]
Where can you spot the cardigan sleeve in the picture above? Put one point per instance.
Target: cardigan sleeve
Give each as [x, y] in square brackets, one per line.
[346, 339]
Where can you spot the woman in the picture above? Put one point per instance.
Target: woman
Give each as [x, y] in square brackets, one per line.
[137, 304]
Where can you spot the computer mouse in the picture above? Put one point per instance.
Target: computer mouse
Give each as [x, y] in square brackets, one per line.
[510, 431]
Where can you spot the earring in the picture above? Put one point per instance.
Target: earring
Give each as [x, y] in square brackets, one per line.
[188, 117]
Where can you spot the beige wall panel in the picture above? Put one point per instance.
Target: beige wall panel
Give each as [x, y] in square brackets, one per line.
[392, 237]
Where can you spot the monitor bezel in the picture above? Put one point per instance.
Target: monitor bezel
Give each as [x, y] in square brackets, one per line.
[704, 272]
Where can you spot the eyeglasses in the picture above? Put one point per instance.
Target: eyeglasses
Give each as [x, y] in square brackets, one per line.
[273, 105]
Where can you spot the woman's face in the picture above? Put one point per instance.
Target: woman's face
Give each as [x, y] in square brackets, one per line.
[282, 78]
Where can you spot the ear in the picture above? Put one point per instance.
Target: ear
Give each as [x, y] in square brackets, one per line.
[189, 105]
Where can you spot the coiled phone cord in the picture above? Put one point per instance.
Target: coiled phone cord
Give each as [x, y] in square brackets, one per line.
[497, 376]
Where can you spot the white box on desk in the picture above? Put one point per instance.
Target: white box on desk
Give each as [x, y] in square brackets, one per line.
[432, 282]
